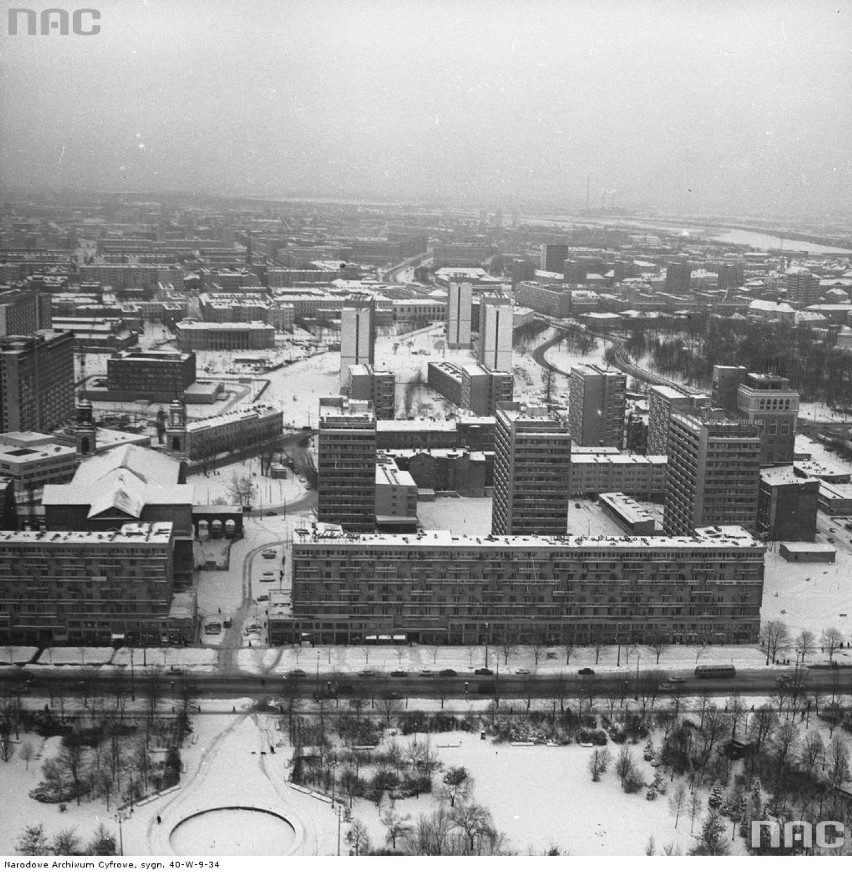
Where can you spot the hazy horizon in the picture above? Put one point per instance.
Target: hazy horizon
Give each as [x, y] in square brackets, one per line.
[681, 106]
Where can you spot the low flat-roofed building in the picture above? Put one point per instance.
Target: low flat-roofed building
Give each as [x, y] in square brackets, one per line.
[33, 462]
[823, 470]
[637, 475]
[396, 497]
[628, 514]
[835, 499]
[807, 552]
[215, 336]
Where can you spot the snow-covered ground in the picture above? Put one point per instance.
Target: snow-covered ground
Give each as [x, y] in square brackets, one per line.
[230, 764]
[821, 412]
[15, 654]
[820, 452]
[542, 797]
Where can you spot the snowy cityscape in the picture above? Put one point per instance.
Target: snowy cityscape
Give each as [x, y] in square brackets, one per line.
[407, 492]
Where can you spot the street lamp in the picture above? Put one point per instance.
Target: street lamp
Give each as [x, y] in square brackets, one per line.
[120, 816]
[486, 644]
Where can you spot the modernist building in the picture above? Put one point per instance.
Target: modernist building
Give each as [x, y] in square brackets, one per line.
[459, 306]
[596, 405]
[438, 587]
[36, 381]
[532, 462]
[730, 274]
[802, 286]
[476, 433]
[553, 256]
[92, 588]
[496, 326]
[378, 386]
[771, 403]
[713, 474]
[159, 375]
[346, 464]
[548, 299]
[726, 383]
[357, 337]
[213, 336]
[396, 498]
[787, 505]
[33, 460]
[483, 389]
[678, 277]
[637, 475]
[662, 401]
[20, 311]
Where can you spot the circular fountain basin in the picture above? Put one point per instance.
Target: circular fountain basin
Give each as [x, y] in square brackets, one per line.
[233, 832]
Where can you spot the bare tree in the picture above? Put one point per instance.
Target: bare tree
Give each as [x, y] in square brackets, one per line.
[474, 822]
[71, 760]
[569, 650]
[775, 639]
[359, 838]
[6, 750]
[837, 760]
[830, 640]
[433, 650]
[33, 842]
[397, 825]
[694, 806]
[804, 645]
[658, 641]
[388, 708]
[27, 753]
[537, 650]
[457, 784]
[599, 760]
[736, 709]
[507, 646]
[678, 801]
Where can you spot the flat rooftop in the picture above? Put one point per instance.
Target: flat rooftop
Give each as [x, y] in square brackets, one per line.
[159, 533]
[705, 537]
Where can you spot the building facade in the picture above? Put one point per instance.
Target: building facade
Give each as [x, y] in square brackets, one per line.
[596, 405]
[437, 587]
[532, 464]
[90, 588]
[160, 375]
[36, 381]
[346, 464]
[773, 405]
[214, 336]
[787, 506]
[459, 305]
[496, 328]
[662, 401]
[713, 474]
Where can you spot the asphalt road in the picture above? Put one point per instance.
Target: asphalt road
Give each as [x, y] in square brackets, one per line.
[214, 685]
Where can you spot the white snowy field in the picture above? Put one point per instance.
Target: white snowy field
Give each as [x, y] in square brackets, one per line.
[561, 356]
[820, 412]
[230, 763]
[16, 654]
[542, 797]
[809, 596]
[553, 661]
[820, 452]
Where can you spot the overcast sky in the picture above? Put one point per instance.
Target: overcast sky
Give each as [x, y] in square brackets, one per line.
[738, 106]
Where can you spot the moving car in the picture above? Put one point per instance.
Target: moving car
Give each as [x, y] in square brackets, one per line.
[269, 554]
[483, 671]
[448, 673]
[267, 576]
[585, 671]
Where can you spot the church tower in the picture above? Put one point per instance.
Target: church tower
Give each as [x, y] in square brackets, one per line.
[176, 428]
[84, 429]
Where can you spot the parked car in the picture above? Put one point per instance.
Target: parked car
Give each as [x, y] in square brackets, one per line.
[483, 671]
[264, 598]
[522, 672]
[675, 679]
[448, 673]
[585, 671]
[267, 576]
[398, 673]
[270, 553]
[228, 621]
[427, 673]
[176, 670]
